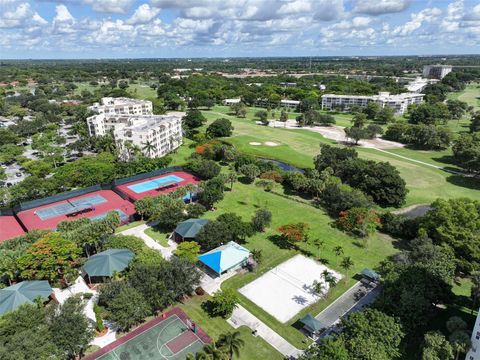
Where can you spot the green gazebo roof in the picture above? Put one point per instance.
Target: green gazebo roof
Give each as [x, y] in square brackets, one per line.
[312, 323]
[369, 273]
[190, 228]
[24, 292]
[107, 262]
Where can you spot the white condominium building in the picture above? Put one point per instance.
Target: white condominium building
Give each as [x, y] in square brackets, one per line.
[290, 104]
[121, 105]
[154, 135]
[399, 103]
[474, 352]
[436, 71]
[231, 101]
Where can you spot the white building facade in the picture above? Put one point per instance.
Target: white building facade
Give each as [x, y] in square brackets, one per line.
[230, 102]
[436, 71]
[398, 103]
[289, 104]
[474, 352]
[121, 105]
[135, 127]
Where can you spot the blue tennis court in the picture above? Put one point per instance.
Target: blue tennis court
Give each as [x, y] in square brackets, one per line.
[70, 206]
[156, 183]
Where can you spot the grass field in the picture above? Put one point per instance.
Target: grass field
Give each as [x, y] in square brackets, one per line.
[142, 91]
[245, 199]
[158, 236]
[471, 95]
[298, 147]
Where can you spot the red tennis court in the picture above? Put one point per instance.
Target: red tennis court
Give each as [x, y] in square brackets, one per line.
[9, 228]
[94, 205]
[155, 185]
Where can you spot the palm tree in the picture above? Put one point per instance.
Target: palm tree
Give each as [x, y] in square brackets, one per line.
[213, 353]
[338, 250]
[346, 265]
[257, 256]
[231, 342]
[231, 178]
[148, 147]
[198, 356]
[329, 279]
[461, 342]
[319, 244]
[318, 287]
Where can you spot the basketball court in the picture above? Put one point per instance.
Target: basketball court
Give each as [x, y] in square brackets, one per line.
[94, 205]
[287, 288]
[169, 338]
[156, 185]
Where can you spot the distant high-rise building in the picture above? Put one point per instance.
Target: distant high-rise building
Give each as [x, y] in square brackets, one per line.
[436, 71]
[132, 124]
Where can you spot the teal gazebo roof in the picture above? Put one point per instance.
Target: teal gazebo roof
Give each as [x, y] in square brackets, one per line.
[311, 323]
[24, 292]
[225, 257]
[107, 262]
[190, 228]
[371, 274]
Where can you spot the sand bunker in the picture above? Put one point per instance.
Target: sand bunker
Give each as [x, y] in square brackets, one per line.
[270, 143]
[255, 143]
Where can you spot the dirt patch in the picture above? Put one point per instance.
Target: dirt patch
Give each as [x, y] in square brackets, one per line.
[253, 143]
[270, 143]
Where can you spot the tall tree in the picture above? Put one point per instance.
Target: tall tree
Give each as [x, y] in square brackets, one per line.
[71, 330]
[231, 342]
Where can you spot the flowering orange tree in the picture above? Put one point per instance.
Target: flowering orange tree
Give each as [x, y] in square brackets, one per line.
[294, 232]
[359, 221]
[50, 258]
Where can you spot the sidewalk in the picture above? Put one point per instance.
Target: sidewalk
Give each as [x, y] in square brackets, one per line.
[139, 231]
[242, 316]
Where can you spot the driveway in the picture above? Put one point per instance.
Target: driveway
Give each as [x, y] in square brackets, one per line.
[346, 304]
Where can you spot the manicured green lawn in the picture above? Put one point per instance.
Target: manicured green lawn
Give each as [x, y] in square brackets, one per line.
[245, 199]
[129, 226]
[471, 95]
[298, 147]
[179, 157]
[158, 236]
[255, 347]
[84, 86]
[142, 91]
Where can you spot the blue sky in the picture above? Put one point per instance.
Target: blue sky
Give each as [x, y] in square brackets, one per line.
[229, 28]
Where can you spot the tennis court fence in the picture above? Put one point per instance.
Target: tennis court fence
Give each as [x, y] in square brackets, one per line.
[146, 175]
[27, 205]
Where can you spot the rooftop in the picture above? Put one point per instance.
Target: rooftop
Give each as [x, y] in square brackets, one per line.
[225, 257]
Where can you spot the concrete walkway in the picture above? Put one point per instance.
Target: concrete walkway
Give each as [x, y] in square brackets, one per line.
[425, 163]
[242, 316]
[139, 231]
[212, 284]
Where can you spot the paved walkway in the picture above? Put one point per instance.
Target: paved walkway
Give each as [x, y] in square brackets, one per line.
[139, 231]
[425, 163]
[242, 316]
[347, 304]
[212, 284]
